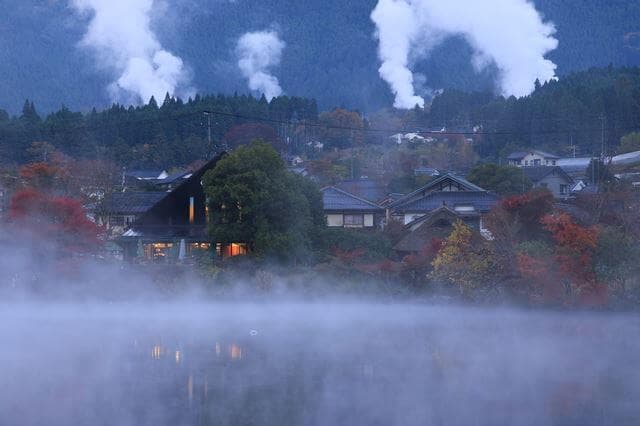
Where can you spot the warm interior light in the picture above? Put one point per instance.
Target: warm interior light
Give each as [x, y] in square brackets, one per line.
[192, 210]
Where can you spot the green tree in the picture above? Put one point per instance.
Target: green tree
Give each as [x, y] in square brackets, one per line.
[254, 199]
[502, 180]
[629, 143]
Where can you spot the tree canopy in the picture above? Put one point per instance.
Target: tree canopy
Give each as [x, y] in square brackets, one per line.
[254, 199]
[500, 179]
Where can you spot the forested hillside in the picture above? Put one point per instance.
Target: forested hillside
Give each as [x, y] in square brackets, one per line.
[564, 116]
[330, 54]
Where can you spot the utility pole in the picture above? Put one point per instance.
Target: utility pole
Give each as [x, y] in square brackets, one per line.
[604, 140]
[210, 150]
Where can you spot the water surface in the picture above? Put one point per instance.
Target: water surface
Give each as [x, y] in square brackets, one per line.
[315, 364]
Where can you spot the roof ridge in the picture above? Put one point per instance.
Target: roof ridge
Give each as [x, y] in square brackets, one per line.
[352, 196]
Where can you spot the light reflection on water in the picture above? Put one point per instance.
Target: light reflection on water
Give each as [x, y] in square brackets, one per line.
[316, 365]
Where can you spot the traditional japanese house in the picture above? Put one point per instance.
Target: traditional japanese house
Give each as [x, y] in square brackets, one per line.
[345, 210]
[176, 225]
[431, 211]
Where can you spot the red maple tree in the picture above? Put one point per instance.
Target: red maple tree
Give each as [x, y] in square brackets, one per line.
[58, 220]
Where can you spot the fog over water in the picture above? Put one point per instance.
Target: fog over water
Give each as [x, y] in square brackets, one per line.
[315, 364]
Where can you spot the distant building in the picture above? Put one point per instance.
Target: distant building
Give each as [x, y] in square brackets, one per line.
[628, 159]
[119, 210]
[414, 137]
[575, 167]
[455, 193]
[555, 179]
[426, 171]
[147, 174]
[365, 188]
[431, 211]
[171, 181]
[532, 158]
[345, 210]
[175, 225]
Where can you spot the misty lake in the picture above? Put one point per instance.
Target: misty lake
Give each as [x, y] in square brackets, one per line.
[315, 364]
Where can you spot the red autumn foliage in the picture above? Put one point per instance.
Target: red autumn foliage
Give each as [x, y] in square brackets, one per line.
[575, 247]
[425, 256]
[57, 220]
[546, 286]
[42, 175]
[529, 208]
[348, 256]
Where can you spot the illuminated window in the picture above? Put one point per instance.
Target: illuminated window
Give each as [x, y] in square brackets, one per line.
[199, 246]
[236, 249]
[157, 251]
[192, 210]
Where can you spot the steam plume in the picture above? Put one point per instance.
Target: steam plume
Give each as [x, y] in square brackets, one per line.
[120, 33]
[257, 53]
[509, 33]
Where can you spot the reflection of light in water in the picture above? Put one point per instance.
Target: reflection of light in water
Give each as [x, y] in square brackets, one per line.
[217, 349]
[235, 352]
[156, 352]
[178, 357]
[190, 388]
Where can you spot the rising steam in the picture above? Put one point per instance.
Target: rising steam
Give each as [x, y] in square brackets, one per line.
[508, 33]
[120, 33]
[257, 53]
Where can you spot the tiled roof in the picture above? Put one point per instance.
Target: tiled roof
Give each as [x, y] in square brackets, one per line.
[336, 199]
[131, 202]
[434, 185]
[628, 158]
[364, 188]
[537, 173]
[481, 201]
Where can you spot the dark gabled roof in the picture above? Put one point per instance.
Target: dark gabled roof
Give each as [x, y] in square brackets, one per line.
[364, 188]
[144, 174]
[537, 173]
[481, 201]
[433, 187]
[519, 155]
[335, 199]
[133, 203]
[422, 230]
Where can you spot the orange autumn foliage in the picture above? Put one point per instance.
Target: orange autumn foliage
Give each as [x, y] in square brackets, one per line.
[575, 247]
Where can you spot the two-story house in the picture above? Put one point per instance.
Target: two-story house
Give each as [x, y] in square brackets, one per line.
[345, 210]
[555, 179]
[532, 158]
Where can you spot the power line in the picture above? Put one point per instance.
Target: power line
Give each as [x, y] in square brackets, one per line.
[307, 124]
[404, 130]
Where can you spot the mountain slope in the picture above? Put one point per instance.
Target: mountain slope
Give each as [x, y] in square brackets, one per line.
[330, 54]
